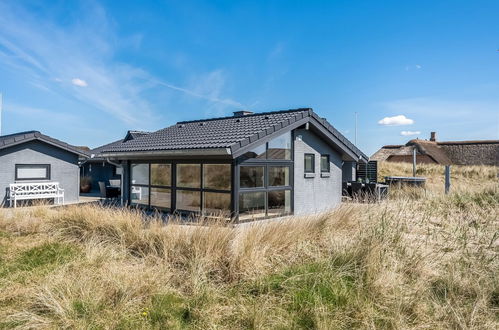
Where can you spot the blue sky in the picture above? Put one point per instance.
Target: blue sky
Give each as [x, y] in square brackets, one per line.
[86, 72]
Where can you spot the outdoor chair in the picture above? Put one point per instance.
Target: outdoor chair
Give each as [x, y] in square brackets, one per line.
[106, 192]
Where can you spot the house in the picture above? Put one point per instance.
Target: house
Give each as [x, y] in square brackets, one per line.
[246, 166]
[32, 157]
[98, 168]
[481, 152]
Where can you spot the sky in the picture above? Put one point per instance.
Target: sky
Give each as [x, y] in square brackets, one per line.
[86, 72]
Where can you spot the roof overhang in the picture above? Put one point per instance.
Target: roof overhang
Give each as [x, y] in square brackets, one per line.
[47, 141]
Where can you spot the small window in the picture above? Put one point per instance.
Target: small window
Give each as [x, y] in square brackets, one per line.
[325, 164]
[32, 172]
[309, 163]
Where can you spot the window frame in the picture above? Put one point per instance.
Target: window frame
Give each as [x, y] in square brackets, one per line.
[305, 163]
[173, 187]
[47, 177]
[328, 170]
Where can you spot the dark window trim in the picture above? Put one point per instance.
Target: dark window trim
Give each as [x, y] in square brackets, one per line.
[305, 163]
[47, 166]
[174, 186]
[328, 164]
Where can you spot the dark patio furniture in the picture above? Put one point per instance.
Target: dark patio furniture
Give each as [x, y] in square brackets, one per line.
[108, 191]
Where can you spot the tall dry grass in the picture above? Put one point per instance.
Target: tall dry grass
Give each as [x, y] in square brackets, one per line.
[420, 259]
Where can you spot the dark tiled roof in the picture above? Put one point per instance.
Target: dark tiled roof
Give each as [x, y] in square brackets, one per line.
[7, 141]
[96, 152]
[233, 132]
[136, 134]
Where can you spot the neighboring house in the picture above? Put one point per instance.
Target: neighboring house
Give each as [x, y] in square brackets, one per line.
[34, 157]
[98, 168]
[246, 166]
[484, 152]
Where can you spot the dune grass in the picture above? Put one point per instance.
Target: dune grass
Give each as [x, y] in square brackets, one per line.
[420, 259]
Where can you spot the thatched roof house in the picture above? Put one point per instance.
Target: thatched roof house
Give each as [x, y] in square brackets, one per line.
[481, 152]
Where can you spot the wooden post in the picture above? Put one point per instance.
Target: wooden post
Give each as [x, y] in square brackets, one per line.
[414, 162]
[447, 179]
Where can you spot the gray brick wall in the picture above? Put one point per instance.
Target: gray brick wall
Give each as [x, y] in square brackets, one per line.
[317, 194]
[64, 167]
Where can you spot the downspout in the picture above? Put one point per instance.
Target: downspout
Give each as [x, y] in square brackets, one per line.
[122, 175]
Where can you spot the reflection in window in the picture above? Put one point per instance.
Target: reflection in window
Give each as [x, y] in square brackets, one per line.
[251, 205]
[140, 174]
[251, 176]
[279, 202]
[161, 174]
[217, 204]
[161, 198]
[216, 176]
[189, 175]
[189, 200]
[309, 163]
[280, 147]
[278, 176]
[257, 152]
[139, 196]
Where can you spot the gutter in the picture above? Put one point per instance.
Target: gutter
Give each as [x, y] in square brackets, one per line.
[169, 153]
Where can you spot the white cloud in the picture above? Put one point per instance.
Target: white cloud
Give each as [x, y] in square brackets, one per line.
[413, 67]
[396, 121]
[409, 133]
[79, 82]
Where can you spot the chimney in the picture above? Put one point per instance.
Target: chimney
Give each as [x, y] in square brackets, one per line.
[433, 136]
[242, 113]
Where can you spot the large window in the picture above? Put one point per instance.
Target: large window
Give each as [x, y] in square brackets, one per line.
[251, 205]
[139, 192]
[161, 174]
[188, 200]
[32, 172]
[140, 174]
[216, 204]
[280, 147]
[278, 176]
[279, 202]
[265, 190]
[189, 175]
[217, 176]
[252, 177]
[192, 187]
[139, 195]
[161, 198]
